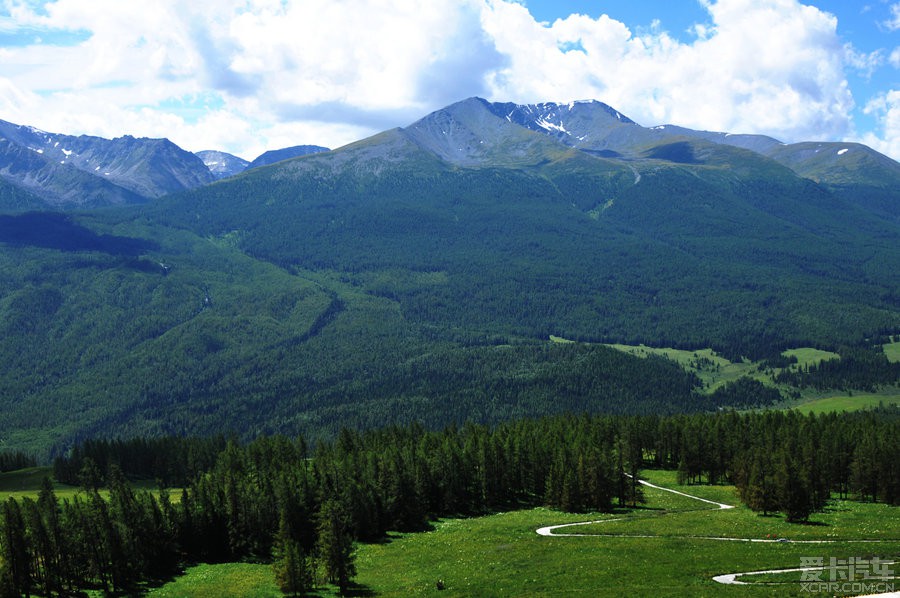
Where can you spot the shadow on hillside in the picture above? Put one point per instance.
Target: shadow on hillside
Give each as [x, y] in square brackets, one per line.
[52, 230]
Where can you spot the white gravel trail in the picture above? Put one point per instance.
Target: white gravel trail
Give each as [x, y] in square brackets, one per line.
[727, 578]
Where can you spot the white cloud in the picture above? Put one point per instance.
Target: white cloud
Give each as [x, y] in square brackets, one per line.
[885, 108]
[895, 58]
[363, 64]
[285, 72]
[865, 63]
[771, 66]
[894, 22]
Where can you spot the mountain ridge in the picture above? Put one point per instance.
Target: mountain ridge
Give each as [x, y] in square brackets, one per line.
[92, 171]
[136, 170]
[418, 274]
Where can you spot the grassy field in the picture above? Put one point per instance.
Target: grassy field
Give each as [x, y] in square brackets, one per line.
[501, 555]
[892, 350]
[27, 483]
[228, 580]
[848, 402]
[712, 369]
[656, 550]
[715, 370]
[807, 356]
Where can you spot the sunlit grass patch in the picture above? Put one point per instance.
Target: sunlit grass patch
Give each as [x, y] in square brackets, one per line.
[228, 580]
[848, 402]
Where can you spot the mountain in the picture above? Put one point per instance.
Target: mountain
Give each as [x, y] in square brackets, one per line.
[222, 164]
[419, 273]
[611, 230]
[273, 156]
[84, 171]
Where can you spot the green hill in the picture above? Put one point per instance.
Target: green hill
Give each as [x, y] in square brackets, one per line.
[411, 276]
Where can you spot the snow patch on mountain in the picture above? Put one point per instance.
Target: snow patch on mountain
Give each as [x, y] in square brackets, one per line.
[550, 126]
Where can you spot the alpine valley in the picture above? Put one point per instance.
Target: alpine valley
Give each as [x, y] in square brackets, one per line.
[419, 275]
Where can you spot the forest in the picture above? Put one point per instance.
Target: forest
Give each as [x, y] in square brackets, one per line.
[302, 508]
[343, 290]
[689, 258]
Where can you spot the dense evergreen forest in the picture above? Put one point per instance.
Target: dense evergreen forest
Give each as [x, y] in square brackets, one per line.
[277, 500]
[380, 284]
[105, 329]
[573, 252]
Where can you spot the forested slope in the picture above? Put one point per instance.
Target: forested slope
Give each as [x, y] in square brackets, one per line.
[417, 276]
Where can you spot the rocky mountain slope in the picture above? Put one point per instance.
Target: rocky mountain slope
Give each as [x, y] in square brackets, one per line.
[68, 171]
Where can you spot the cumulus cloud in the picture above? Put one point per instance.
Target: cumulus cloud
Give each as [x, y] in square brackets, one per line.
[895, 58]
[893, 23]
[865, 63]
[768, 66]
[285, 72]
[359, 65]
[885, 108]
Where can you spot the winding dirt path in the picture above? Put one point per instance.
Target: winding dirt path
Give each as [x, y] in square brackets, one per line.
[728, 578]
[550, 530]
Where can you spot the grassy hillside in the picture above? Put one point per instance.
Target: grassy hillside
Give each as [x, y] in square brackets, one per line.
[892, 350]
[849, 402]
[501, 555]
[381, 283]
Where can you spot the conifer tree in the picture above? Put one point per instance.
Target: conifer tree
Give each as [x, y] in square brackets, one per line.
[335, 544]
[14, 551]
[293, 570]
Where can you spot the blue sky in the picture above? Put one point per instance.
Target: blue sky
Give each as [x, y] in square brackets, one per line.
[246, 76]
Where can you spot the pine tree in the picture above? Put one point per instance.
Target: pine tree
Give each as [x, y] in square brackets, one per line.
[14, 554]
[293, 570]
[335, 545]
[794, 498]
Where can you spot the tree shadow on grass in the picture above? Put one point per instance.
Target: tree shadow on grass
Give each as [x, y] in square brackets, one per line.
[358, 589]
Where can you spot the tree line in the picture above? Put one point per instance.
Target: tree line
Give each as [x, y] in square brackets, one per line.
[860, 367]
[13, 460]
[275, 499]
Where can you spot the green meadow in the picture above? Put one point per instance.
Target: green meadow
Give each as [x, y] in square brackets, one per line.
[807, 356]
[226, 580]
[712, 369]
[716, 371]
[501, 555]
[892, 350]
[850, 402]
[658, 549]
[26, 483]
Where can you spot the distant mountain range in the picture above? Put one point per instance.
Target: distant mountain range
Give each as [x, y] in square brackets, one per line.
[65, 171]
[481, 189]
[83, 171]
[224, 165]
[598, 129]
[419, 274]
[273, 156]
